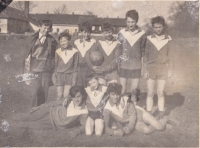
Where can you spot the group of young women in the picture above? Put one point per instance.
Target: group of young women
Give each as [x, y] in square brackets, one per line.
[96, 95]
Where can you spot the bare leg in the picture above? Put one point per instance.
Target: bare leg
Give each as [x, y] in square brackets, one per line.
[150, 94]
[123, 82]
[143, 128]
[66, 90]
[134, 86]
[99, 125]
[160, 93]
[60, 90]
[89, 126]
[157, 124]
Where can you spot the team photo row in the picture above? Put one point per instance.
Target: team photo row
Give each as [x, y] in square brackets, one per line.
[97, 81]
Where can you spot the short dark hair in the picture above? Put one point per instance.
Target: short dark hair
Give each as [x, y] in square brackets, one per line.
[64, 34]
[46, 22]
[132, 14]
[158, 19]
[76, 89]
[106, 26]
[85, 26]
[114, 87]
[91, 76]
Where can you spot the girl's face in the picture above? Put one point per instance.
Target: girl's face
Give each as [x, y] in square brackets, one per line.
[108, 35]
[64, 42]
[85, 34]
[94, 84]
[114, 97]
[131, 23]
[77, 100]
[44, 30]
[158, 28]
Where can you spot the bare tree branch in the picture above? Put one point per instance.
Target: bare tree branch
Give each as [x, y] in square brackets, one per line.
[88, 13]
[61, 10]
[20, 5]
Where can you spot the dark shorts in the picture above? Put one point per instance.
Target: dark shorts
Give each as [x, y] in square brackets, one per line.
[95, 115]
[158, 72]
[133, 74]
[64, 79]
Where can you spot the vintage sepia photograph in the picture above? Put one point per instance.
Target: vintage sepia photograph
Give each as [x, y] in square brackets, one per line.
[99, 73]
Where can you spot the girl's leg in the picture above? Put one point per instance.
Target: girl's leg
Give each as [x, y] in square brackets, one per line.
[150, 94]
[160, 93]
[26, 117]
[89, 126]
[39, 119]
[134, 87]
[157, 124]
[123, 82]
[66, 90]
[60, 90]
[99, 125]
[143, 128]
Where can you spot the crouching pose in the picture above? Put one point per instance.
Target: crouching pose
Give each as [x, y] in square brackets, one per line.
[57, 115]
[95, 103]
[122, 110]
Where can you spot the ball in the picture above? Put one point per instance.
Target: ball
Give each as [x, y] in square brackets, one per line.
[96, 58]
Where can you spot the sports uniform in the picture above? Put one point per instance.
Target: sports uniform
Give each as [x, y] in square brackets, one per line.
[157, 57]
[132, 50]
[111, 53]
[84, 64]
[66, 62]
[94, 101]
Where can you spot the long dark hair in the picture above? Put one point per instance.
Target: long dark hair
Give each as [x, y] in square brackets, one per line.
[76, 89]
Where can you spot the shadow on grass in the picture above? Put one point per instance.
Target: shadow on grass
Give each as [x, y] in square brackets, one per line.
[171, 101]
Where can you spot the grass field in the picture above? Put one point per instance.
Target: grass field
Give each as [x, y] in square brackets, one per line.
[182, 102]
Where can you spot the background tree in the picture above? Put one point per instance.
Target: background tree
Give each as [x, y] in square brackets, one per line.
[61, 10]
[20, 5]
[88, 13]
[184, 18]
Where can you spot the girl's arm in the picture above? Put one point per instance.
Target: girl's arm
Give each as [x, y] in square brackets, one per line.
[79, 130]
[108, 130]
[143, 44]
[56, 62]
[170, 55]
[74, 77]
[107, 115]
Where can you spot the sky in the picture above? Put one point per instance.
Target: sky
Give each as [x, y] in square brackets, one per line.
[111, 9]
